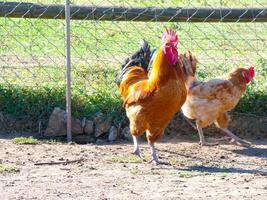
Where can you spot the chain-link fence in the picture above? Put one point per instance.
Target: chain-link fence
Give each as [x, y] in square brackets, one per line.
[103, 34]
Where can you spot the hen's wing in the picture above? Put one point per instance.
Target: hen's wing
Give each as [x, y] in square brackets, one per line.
[213, 89]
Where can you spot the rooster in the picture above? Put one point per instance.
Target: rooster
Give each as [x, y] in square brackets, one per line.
[208, 102]
[151, 99]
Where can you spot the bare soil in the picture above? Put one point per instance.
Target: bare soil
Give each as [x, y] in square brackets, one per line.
[109, 171]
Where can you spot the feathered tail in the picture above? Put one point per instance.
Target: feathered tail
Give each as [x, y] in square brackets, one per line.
[140, 58]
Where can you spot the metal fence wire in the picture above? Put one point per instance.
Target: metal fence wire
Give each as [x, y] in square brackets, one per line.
[103, 33]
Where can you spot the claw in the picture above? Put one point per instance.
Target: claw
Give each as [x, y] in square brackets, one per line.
[243, 143]
[232, 141]
[154, 162]
[137, 153]
[236, 139]
[157, 162]
[223, 139]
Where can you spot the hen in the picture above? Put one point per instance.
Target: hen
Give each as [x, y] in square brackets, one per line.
[208, 102]
[151, 99]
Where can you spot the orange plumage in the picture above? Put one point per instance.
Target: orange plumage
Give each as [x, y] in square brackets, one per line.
[152, 99]
[208, 102]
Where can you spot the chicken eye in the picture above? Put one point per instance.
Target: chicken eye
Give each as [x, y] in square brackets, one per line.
[171, 45]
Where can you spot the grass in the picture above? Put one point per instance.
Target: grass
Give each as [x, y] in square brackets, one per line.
[53, 141]
[174, 173]
[124, 159]
[33, 141]
[177, 162]
[189, 174]
[32, 80]
[181, 174]
[135, 171]
[160, 3]
[8, 168]
[194, 173]
[25, 140]
[223, 173]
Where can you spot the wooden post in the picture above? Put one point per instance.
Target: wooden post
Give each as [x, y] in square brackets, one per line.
[30, 10]
[68, 72]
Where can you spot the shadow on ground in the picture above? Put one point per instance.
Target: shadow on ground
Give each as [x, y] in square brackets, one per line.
[252, 151]
[262, 171]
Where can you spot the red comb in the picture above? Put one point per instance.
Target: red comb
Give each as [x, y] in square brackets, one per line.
[170, 36]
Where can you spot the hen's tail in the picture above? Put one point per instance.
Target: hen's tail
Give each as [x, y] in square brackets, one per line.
[140, 58]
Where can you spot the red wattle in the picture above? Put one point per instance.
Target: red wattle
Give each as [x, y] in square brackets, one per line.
[251, 72]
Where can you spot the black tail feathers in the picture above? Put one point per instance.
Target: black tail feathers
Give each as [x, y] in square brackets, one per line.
[140, 58]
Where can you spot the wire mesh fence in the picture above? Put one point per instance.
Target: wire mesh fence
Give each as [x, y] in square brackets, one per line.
[32, 49]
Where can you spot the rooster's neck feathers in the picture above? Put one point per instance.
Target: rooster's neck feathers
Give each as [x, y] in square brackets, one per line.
[161, 70]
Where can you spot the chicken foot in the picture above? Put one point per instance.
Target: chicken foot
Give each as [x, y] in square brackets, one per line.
[236, 139]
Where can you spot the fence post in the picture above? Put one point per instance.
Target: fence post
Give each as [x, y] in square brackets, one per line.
[68, 71]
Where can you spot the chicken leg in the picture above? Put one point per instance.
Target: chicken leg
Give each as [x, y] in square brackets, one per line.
[136, 150]
[202, 141]
[235, 138]
[188, 121]
[154, 156]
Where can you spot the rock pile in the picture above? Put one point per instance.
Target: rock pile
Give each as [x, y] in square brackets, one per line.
[98, 130]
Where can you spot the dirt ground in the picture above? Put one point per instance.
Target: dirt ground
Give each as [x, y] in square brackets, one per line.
[110, 171]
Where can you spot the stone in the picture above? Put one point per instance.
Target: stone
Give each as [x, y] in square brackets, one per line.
[76, 126]
[113, 134]
[102, 124]
[57, 125]
[127, 134]
[89, 127]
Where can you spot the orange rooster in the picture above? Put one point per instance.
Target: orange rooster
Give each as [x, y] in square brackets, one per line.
[151, 99]
[209, 102]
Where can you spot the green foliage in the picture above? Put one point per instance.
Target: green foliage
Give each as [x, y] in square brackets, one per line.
[8, 168]
[35, 103]
[125, 159]
[31, 89]
[37, 100]
[160, 3]
[53, 141]
[33, 141]
[189, 174]
[25, 140]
